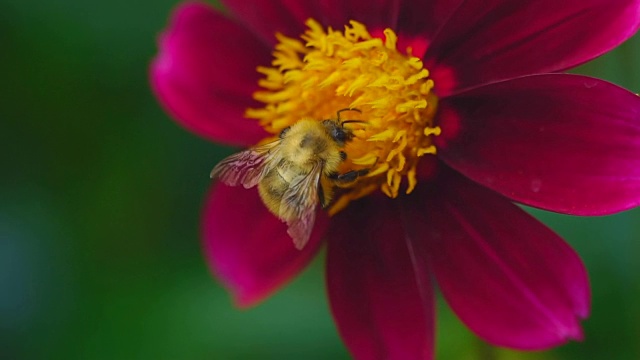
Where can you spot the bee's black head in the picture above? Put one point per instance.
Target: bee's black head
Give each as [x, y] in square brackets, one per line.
[338, 133]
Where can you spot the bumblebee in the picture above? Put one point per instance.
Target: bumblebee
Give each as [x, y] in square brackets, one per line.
[296, 172]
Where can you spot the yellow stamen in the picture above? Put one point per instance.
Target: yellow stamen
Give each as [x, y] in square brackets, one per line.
[327, 70]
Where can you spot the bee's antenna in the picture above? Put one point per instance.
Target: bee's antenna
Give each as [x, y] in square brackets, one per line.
[346, 109]
[352, 122]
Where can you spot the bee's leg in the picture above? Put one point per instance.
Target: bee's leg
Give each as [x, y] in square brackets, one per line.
[349, 176]
[323, 202]
[284, 132]
[325, 191]
[343, 155]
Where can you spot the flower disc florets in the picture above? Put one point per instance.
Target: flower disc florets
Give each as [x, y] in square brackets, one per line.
[329, 70]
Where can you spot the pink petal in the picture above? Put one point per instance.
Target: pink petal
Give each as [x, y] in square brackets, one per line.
[509, 278]
[380, 295]
[205, 74]
[564, 143]
[375, 14]
[248, 248]
[491, 40]
[266, 17]
[419, 22]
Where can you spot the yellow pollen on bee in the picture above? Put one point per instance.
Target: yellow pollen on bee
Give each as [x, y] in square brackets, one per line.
[328, 70]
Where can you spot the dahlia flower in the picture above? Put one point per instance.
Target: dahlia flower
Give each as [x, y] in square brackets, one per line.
[466, 113]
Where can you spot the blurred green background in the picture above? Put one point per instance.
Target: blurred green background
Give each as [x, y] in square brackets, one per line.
[100, 196]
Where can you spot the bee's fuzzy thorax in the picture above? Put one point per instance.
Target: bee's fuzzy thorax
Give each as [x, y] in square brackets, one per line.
[308, 141]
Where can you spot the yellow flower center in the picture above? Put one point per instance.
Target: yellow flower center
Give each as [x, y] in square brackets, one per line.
[329, 70]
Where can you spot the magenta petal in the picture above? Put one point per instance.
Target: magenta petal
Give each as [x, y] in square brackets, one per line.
[564, 143]
[248, 248]
[380, 310]
[509, 278]
[205, 74]
[419, 21]
[491, 40]
[266, 17]
[375, 14]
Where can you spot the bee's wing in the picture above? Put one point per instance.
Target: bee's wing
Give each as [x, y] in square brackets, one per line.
[246, 167]
[299, 205]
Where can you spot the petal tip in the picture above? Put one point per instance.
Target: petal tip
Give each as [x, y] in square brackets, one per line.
[577, 334]
[244, 300]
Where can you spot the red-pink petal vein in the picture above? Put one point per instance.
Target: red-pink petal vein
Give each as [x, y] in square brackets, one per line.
[383, 309]
[565, 143]
[510, 279]
[487, 41]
